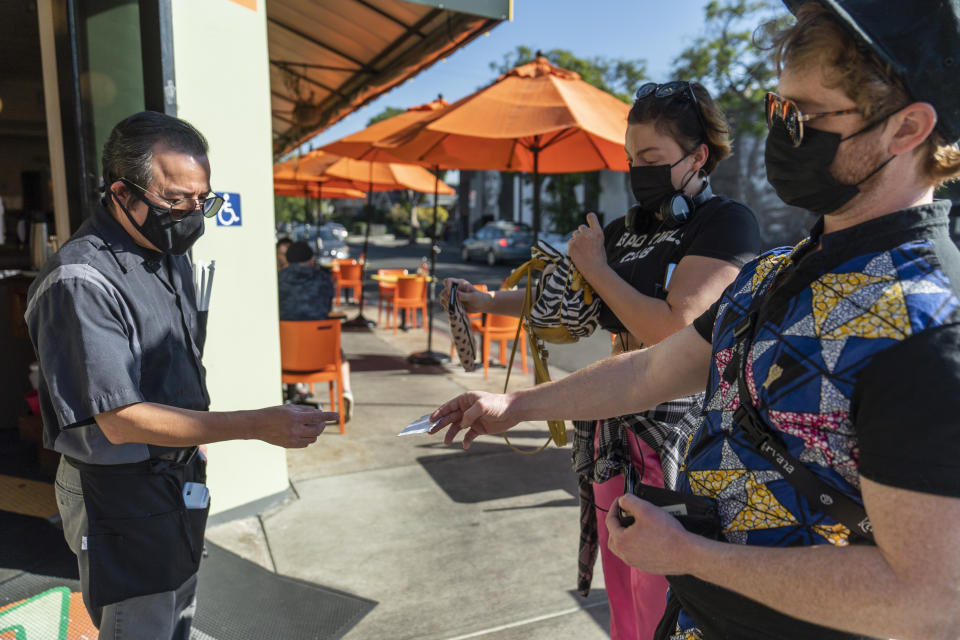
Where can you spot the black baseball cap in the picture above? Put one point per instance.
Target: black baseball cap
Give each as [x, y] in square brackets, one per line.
[299, 252]
[919, 39]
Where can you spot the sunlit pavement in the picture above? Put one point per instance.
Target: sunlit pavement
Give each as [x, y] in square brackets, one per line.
[449, 544]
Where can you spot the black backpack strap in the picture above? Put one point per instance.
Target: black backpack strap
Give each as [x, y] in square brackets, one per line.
[818, 493]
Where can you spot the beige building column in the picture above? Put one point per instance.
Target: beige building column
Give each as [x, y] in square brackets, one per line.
[223, 88]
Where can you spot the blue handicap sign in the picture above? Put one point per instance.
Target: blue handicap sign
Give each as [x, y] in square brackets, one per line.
[229, 214]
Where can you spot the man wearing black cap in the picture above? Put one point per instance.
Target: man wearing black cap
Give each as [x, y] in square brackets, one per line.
[306, 293]
[824, 474]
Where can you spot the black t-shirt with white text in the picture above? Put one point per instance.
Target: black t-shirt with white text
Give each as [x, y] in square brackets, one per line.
[719, 228]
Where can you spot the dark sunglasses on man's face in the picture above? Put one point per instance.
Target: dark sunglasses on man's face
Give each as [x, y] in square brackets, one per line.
[789, 113]
[181, 208]
[676, 89]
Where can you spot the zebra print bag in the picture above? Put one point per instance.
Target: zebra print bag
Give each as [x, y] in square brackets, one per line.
[562, 308]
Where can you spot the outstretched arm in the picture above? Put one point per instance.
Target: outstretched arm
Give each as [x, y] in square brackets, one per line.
[289, 425]
[616, 386]
[507, 302]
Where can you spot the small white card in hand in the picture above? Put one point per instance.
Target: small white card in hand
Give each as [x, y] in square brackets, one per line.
[423, 424]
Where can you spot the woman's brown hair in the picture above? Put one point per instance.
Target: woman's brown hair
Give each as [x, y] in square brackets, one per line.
[676, 117]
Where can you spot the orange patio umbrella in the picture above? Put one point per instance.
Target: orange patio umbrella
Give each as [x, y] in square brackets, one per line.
[327, 168]
[362, 144]
[316, 190]
[536, 118]
[333, 170]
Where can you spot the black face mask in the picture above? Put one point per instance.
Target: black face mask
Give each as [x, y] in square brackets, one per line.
[801, 175]
[652, 185]
[162, 231]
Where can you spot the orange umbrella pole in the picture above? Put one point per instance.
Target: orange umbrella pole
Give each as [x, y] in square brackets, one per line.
[536, 189]
[431, 357]
[360, 322]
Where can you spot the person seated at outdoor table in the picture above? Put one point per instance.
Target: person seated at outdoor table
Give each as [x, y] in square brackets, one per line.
[282, 245]
[306, 293]
[655, 269]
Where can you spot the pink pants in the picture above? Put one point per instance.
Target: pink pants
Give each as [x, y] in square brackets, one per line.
[636, 599]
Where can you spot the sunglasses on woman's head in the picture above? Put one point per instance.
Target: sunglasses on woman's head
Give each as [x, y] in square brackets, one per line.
[789, 113]
[676, 89]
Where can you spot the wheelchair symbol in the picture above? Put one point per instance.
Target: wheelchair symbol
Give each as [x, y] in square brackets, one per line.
[227, 217]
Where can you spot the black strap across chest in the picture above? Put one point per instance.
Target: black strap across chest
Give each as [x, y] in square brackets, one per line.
[818, 493]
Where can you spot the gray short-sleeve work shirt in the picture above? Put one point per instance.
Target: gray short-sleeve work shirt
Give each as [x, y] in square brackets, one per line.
[112, 324]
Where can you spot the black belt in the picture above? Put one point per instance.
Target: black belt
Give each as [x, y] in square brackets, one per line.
[180, 456]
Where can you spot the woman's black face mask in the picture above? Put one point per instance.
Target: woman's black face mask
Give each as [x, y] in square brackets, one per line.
[653, 185]
[162, 231]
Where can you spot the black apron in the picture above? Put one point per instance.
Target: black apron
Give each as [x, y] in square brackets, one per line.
[141, 538]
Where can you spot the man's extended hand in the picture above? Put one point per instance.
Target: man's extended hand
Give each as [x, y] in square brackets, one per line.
[293, 426]
[475, 412]
[656, 542]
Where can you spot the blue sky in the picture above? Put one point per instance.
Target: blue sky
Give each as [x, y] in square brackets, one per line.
[653, 30]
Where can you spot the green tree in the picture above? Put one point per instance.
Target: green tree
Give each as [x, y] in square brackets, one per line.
[300, 209]
[734, 63]
[388, 112]
[291, 209]
[618, 77]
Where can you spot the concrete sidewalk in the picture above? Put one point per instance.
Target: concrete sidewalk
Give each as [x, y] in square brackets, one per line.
[450, 544]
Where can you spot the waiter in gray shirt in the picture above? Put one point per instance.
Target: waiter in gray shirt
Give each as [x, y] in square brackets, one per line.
[113, 319]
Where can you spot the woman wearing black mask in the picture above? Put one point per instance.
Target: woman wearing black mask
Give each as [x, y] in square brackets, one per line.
[656, 269]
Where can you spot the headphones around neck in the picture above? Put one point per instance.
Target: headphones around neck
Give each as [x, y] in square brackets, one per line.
[675, 210]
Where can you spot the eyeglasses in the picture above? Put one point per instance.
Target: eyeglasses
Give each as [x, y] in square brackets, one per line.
[180, 209]
[791, 116]
[675, 89]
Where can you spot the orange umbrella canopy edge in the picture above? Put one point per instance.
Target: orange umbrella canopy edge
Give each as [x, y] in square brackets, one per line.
[536, 106]
[361, 145]
[315, 190]
[319, 166]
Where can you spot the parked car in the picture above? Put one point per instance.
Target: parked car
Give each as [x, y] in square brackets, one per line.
[498, 241]
[558, 241]
[330, 246]
[336, 229]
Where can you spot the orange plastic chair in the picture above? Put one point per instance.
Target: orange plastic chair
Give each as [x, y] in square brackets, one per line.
[386, 291]
[309, 353]
[501, 329]
[411, 294]
[335, 272]
[471, 316]
[351, 277]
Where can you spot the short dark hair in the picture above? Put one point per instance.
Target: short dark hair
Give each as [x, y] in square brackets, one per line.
[284, 241]
[684, 126]
[128, 152]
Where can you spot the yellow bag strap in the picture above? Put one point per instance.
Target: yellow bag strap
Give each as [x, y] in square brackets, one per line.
[578, 282]
[558, 429]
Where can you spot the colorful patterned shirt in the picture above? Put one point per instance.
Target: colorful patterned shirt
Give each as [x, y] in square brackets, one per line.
[854, 365]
